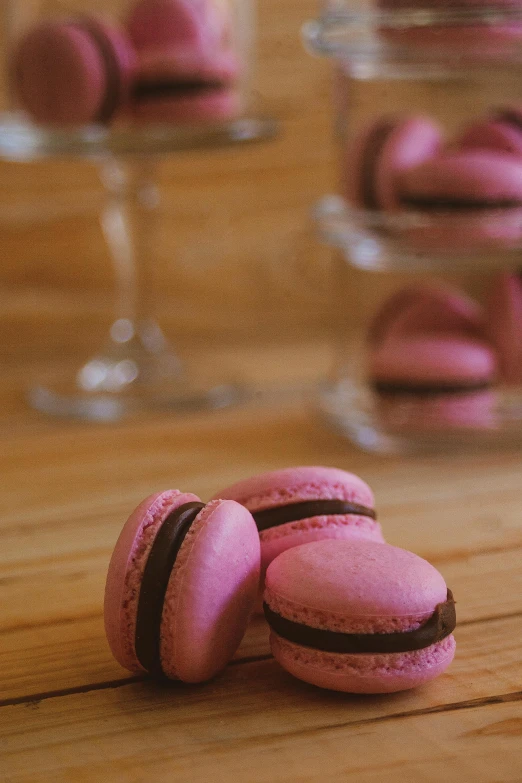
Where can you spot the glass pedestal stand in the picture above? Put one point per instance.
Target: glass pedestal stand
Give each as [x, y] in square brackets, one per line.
[136, 369]
[350, 405]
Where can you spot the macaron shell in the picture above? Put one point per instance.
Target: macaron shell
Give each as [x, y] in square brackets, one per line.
[354, 587]
[276, 540]
[126, 568]
[410, 143]
[59, 74]
[435, 309]
[164, 23]
[481, 176]
[409, 413]
[211, 592]
[364, 673]
[432, 359]
[357, 155]
[494, 134]
[504, 318]
[293, 485]
[72, 72]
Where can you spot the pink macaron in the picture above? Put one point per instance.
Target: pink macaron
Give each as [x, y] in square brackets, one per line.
[203, 25]
[463, 180]
[430, 364]
[74, 71]
[425, 364]
[465, 200]
[181, 585]
[359, 617]
[501, 131]
[427, 309]
[297, 505]
[426, 383]
[185, 87]
[504, 324]
[188, 70]
[380, 152]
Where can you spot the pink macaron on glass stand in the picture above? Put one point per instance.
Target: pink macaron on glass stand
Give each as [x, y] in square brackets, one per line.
[157, 78]
[428, 113]
[427, 222]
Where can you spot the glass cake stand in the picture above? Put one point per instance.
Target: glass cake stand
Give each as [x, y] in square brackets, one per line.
[136, 368]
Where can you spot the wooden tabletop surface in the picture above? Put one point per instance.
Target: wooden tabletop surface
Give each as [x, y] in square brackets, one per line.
[68, 712]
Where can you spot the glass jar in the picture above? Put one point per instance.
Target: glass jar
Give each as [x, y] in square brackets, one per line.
[428, 104]
[428, 116]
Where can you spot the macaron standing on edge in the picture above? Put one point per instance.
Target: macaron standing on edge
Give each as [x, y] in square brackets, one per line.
[181, 585]
[74, 71]
[296, 505]
[380, 152]
[359, 617]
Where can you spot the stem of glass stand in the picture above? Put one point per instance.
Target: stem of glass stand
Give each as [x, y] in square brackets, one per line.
[129, 223]
[136, 369]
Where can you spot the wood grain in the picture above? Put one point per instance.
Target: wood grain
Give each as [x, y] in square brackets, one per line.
[250, 705]
[72, 652]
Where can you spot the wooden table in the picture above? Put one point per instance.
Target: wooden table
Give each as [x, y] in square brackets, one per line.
[70, 713]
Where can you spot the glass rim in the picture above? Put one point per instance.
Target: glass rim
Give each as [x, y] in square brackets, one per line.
[345, 30]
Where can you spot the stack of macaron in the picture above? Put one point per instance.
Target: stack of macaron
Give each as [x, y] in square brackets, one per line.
[465, 193]
[172, 61]
[346, 610]
[435, 357]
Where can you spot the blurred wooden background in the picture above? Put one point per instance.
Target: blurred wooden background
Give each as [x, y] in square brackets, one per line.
[236, 249]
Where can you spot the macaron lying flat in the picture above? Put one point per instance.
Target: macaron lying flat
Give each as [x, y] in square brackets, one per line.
[185, 87]
[181, 585]
[466, 180]
[359, 617]
[298, 505]
[504, 323]
[73, 72]
[428, 364]
[188, 70]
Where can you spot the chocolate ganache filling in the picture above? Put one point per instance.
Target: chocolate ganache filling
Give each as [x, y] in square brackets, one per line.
[293, 512]
[155, 579]
[437, 627]
[428, 389]
[158, 89]
[454, 203]
[113, 85]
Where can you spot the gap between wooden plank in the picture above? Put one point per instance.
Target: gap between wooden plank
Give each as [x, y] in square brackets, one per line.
[131, 679]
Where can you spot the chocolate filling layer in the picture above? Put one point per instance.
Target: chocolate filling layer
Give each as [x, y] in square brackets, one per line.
[454, 204]
[511, 117]
[374, 145]
[428, 389]
[171, 88]
[272, 517]
[437, 627]
[155, 579]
